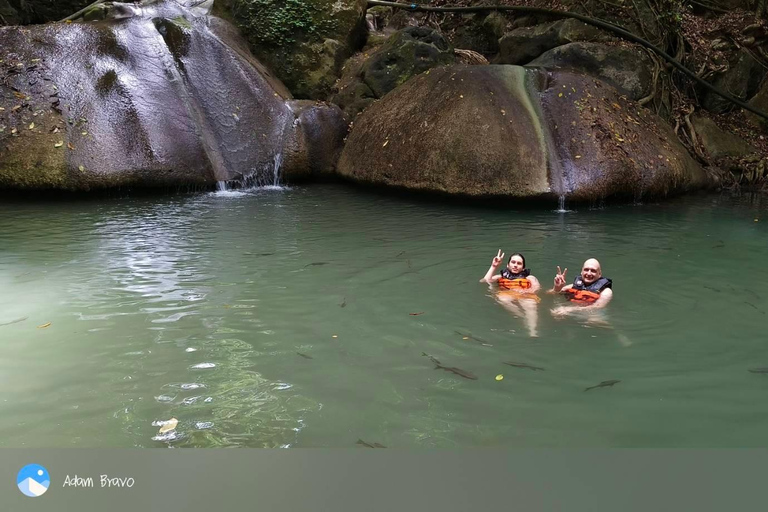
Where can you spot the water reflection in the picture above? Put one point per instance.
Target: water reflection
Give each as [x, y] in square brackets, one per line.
[282, 318]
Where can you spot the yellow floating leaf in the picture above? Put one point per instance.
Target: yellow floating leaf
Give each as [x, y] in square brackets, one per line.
[13, 130]
[503, 112]
[334, 336]
[168, 426]
[31, 126]
[44, 325]
[499, 377]
[465, 338]
[616, 106]
[59, 144]
[68, 21]
[560, 95]
[461, 95]
[385, 143]
[578, 156]
[83, 133]
[81, 168]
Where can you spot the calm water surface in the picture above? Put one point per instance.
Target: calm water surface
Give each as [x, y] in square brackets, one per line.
[283, 318]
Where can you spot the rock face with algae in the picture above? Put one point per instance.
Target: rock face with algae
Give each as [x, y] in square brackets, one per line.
[518, 133]
[165, 96]
[304, 42]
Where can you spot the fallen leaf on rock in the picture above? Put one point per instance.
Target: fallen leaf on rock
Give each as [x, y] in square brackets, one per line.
[48, 324]
[59, 144]
[168, 426]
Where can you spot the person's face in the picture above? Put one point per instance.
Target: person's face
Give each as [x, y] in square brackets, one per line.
[590, 272]
[515, 264]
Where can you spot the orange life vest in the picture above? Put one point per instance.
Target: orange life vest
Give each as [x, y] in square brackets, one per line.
[582, 296]
[582, 293]
[514, 284]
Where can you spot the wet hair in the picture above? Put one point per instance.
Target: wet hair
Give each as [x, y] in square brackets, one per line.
[517, 254]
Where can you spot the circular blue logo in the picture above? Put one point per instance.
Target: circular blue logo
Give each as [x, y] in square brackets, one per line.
[33, 480]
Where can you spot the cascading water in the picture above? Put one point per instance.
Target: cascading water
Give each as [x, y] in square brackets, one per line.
[561, 204]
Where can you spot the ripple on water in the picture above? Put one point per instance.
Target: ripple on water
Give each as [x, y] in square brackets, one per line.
[192, 385]
[203, 366]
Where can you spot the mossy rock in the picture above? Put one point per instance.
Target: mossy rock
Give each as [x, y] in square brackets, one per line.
[303, 42]
[8, 14]
[34, 12]
[406, 53]
[627, 69]
[741, 80]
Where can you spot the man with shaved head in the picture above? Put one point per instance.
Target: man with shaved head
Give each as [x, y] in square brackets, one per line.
[589, 290]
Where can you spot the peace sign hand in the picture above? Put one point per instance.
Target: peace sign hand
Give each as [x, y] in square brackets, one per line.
[497, 259]
[560, 278]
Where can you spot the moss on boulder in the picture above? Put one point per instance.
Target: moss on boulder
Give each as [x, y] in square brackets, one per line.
[304, 42]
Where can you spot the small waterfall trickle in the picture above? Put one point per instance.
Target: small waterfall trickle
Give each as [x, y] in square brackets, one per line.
[561, 205]
[221, 186]
[278, 161]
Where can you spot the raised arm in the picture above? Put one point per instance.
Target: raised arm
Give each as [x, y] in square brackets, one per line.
[489, 277]
[559, 285]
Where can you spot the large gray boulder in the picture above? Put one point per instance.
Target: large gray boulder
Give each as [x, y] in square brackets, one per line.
[521, 45]
[163, 96]
[741, 80]
[516, 132]
[718, 143]
[627, 69]
[373, 74]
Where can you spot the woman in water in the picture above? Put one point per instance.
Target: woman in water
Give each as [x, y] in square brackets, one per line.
[516, 289]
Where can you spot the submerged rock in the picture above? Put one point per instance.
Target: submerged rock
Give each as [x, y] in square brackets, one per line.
[516, 132]
[164, 96]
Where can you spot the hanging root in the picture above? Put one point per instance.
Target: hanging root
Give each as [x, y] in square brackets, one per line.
[697, 148]
[656, 71]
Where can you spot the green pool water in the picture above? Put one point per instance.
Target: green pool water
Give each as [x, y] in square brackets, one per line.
[284, 317]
